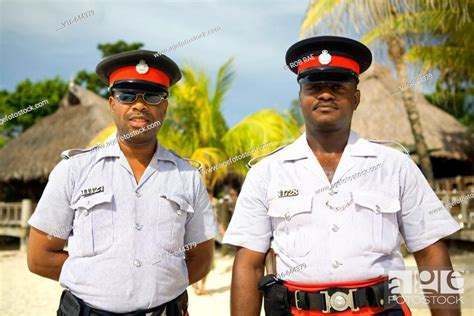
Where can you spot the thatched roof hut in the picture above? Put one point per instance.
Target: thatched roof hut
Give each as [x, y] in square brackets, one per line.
[27, 161]
[382, 115]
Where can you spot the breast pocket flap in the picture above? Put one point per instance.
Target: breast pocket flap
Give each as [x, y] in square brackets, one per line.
[88, 202]
[179, 201]
[288, 207]
[377, 202]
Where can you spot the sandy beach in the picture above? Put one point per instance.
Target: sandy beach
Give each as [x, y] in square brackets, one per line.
[24, 293]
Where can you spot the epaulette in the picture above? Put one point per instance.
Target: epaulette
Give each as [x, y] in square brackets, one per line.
[377, 141]
[198, 163]
[73, 152]
[249, 164]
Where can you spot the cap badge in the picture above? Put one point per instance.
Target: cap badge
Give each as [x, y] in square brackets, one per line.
[324, 58]
[142, 67]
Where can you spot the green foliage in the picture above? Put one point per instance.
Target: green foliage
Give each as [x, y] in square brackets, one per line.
[195, 114]
[459, 102]
[295, 113]
[260, 128]
[25, 94]
[110, 49]
[90, 80]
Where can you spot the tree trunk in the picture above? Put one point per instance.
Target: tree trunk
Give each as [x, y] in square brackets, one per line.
[396, 51]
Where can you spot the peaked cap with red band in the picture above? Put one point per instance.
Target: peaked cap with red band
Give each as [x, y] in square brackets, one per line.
[141, 70]
[328, 59]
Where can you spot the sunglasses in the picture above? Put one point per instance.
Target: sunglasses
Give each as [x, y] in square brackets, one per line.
[129, 97]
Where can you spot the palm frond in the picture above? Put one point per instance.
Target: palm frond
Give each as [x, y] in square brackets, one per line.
[456, 59]
[213, 167]
[103, 135]
[257, 134]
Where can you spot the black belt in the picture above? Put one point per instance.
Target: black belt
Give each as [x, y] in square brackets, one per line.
[278, 299]
[71, 305]
[340, 299]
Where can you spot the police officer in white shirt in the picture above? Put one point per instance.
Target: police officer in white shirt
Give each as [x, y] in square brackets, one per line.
[333, 206]
[137, 217]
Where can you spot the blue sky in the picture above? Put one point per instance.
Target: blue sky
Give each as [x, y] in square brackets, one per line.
[255, 33]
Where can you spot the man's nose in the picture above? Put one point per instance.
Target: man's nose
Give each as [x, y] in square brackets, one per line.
[140, 105]
[326, 94]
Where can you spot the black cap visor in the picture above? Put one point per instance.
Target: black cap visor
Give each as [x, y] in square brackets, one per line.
[139, 85]
[325, 74]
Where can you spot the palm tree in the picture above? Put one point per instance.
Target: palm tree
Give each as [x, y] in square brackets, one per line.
[399, 26]
[195, 127]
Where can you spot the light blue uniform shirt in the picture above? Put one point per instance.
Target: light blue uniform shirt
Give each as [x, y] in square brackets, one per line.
[126, 241]
[349, 229]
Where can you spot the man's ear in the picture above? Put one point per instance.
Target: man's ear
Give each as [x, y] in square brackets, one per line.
[112, 104]
[356, 99]
[299, 93]
[165, 106]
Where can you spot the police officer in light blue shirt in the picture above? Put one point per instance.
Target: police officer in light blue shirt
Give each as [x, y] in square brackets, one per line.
[136, 216]
[335, 207]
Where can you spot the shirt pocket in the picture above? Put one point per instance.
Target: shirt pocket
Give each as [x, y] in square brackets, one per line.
[93, 224]
[292, 225]
[174, 211]
[375, 222]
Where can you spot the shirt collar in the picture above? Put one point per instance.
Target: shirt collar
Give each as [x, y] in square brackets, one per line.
[356, 146]
[111, 148]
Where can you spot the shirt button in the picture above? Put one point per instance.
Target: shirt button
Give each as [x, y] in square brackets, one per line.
[287, 215]
[138, 226]
[137, 194]
[137, 263]
[335, 228]
[335, 264]
[377, 208]
[86, 212]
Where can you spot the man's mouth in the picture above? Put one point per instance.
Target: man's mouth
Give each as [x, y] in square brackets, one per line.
[325, 107]
[138, 121]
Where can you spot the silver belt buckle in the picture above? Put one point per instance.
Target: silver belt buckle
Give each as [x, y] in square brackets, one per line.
[339, 301]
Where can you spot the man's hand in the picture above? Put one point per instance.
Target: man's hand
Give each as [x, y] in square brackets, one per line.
[245, 299]
[45, 254]
[435, 258]
[199, 260]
